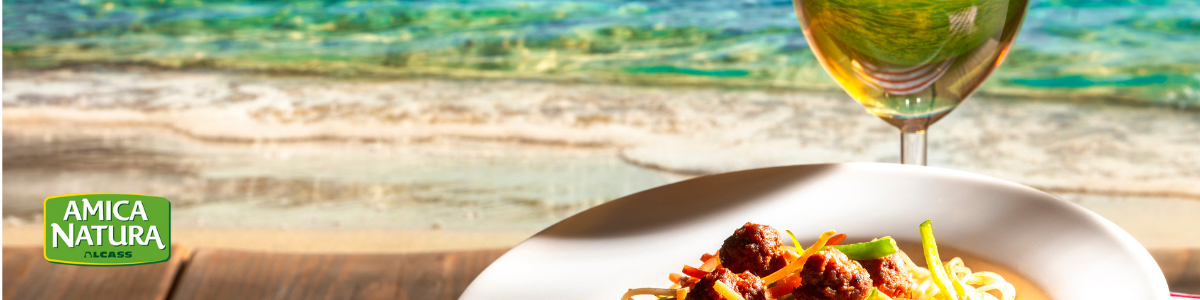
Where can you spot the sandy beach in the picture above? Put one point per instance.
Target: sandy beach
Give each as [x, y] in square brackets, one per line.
[426, 165]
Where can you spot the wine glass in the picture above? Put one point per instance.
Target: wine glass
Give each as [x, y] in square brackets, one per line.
[910, 62]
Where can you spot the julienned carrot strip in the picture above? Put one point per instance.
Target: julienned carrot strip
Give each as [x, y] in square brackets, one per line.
[789, 253]
[836, 239]
[798, 264]
[726, 291]
[681, 294]
[694, 272]
[877, 295]
[676, 277]
[711, 264]
[784, 287]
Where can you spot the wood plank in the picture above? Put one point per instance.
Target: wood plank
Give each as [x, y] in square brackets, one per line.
[228, 274]
[27, 275]
[254, 275]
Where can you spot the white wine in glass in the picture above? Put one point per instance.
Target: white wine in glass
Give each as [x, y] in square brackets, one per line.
[910, 62]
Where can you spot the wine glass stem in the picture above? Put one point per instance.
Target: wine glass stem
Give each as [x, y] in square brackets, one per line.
[912, 148]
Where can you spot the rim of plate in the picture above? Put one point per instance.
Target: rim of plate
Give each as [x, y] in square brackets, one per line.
[1128, 245]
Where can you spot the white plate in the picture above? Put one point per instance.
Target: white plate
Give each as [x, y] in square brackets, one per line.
[635, 241]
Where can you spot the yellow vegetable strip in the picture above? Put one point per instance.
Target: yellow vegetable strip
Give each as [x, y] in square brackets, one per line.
[958, 285]
[798, 264]
[794, 241]
[726, 291]
[681, 294]
[934, 262]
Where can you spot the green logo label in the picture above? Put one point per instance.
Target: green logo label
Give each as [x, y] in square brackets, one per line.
[107, 229]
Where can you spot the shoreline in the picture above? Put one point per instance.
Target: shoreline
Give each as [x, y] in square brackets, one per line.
[1080, 96]
[306, 154]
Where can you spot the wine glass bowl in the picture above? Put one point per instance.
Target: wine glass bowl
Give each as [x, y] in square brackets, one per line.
[910, 62]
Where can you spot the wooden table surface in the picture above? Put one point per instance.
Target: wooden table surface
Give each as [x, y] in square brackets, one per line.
[27, 275]
[229, 274]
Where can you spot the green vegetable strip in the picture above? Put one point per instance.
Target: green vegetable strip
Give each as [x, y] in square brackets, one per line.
[870, 250]
[876, 295]
[934, 262]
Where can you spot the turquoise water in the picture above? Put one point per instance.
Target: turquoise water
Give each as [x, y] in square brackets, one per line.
[1140, 51]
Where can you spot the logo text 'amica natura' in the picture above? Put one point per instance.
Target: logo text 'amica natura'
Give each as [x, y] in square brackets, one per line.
[102, 229]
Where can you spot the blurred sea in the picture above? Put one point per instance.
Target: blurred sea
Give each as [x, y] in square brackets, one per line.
[469, 115]
[1134, 51]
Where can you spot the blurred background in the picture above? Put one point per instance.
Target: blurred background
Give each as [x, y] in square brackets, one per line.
[383, 126]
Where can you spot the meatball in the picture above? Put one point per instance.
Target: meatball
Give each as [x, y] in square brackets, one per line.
[745, 284]
[830, 275]
[753, 248]
[890, 275]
